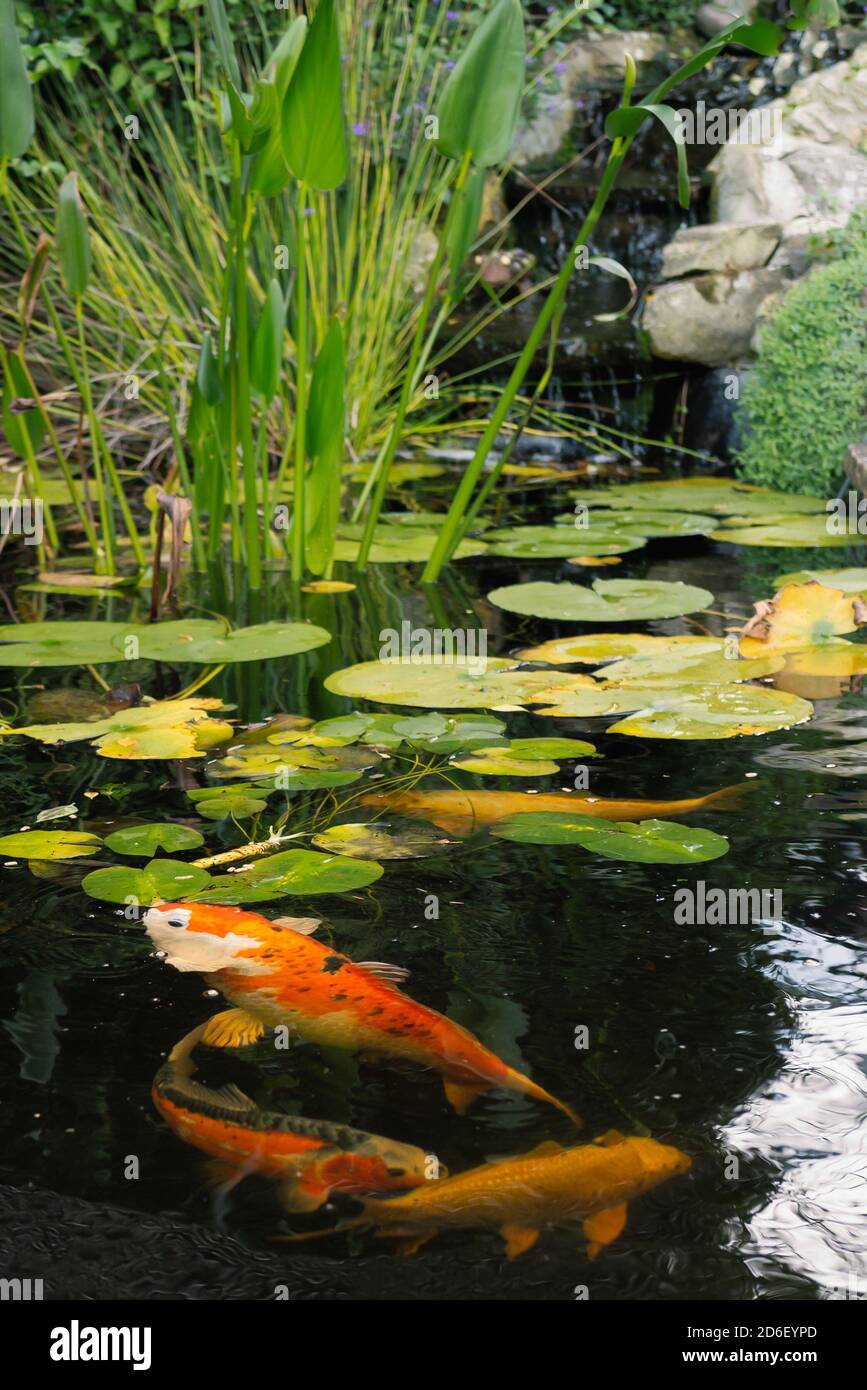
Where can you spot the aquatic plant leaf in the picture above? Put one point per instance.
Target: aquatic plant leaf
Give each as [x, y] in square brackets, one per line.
[210, 643]
[163, 880]
[396, 544]
[801, 615]
[559, 542]
[691, 666]
[524, 757]
[238, 801]
[327, 586]
[378, 840]
[464, 226]
[717, 496]
[49, 844]
[296, 872]
[24, 430]
[711, 712]
[609, 600]
[314, 138]
[163, 729]
[16, 95]
[642, 842]
[254, 761]
[325, 447]
[59, 643]
[73, 241]
[453, 685]
[145, 840]
[787, 531]
[850, 581]
[479, 105]
[266, 351]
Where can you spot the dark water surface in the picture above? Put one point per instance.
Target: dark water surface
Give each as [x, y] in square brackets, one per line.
[743, 1045]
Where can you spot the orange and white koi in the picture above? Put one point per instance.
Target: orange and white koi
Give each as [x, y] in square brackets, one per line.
[276, 975]
[309, 1158]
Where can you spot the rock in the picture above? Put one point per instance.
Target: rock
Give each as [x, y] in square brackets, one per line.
[855, 465]
[709, 19]
[728, 246]
[708, 318]
[594, 64]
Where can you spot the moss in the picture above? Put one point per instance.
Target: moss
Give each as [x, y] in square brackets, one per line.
[806, 399]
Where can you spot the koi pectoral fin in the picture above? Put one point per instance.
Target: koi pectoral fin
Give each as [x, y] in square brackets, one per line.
[460, 1098]
[603, 1227]
[518, 1239]
[412, 1243]
[232, 1028]
[303, 1194]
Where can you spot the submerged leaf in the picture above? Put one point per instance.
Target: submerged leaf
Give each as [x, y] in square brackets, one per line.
[379, 840]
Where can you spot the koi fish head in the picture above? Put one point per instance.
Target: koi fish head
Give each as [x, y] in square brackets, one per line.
[196, 937]
[380, 1165]
[656, 1162]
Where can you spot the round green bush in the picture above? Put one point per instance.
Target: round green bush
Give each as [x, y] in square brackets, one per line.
[806, 399]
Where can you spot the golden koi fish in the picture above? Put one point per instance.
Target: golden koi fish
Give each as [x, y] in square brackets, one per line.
[519, 1197]
[462, 812]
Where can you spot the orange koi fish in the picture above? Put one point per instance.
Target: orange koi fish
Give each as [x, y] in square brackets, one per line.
[309, 1158]
[277, 975]
[462, 812]
[550, 1186]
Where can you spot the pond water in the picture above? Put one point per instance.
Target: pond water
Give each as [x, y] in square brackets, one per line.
[743, 1045]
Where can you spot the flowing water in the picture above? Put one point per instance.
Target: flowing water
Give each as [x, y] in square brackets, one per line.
[743, 1045]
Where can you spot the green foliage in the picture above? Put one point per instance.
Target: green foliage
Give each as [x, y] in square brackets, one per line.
[806, 400]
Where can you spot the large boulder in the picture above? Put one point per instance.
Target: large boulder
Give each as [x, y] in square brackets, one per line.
[803, 177]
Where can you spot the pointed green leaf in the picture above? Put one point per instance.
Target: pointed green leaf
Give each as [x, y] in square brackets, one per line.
[325, 423]
[266, 354]
[314, 139]
[73, 242]
[16, 95]
[479, 106]
[28, 426]
[464, 227]
[223, 41]
[626, 121]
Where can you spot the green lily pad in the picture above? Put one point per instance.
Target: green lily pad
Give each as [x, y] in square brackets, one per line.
[145, 840]
[377, 840]
[719, 496]
[642, 842]
[706, 663]
[297, 872]
[50, 844]
[294, 768]
[648, 522]
[787, 531]
[559, 542]
[711, 712]
[432, 684]
[524, 757]
[263, 642]
[198, 640]
[163, 880]
[60, 644]
[397, 544]
[609, 600]
[850, 581]
[238, 801]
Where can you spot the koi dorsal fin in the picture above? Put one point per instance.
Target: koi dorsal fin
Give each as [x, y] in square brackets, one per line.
[231, 1097]
[393, 974]
[547, 1149]
[304, 926]
[610, 1138]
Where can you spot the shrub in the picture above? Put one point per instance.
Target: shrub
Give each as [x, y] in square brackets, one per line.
[806, 399]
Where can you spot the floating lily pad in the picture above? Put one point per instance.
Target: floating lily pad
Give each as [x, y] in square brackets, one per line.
[163, 729]
[593, 648]
[718, 496]
[432, 684]
[787, 531]
[297, 872]
[199, 640]
[524, 757]
[163, 880]
[850, 581]
[145, 840]
[238, 801]
[642, 842]
[801, 615]
[649, 522]
[711, 712]
[50, 844]
[609, 600]
[707, 663]
[60, 644]
[397, 544]
[559, 542]
[378, 840]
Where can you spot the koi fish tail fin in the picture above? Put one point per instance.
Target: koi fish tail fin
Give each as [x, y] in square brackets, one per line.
[460, 1098]
[539, 1093]
[728, 798]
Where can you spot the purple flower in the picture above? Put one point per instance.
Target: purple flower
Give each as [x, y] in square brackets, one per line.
[449, 65]
[361, 128]
[309, 212]
[559, 67]
[452, 15]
